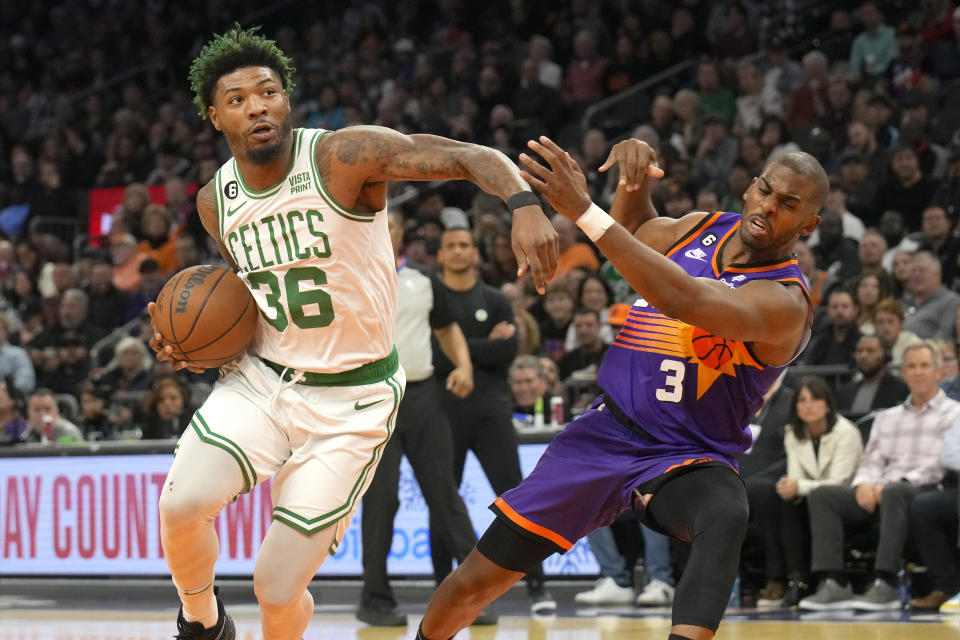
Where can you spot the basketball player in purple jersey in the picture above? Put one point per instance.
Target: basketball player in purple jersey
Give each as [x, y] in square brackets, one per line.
[723, 308]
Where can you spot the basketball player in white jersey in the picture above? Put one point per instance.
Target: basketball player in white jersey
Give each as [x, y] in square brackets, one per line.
[300, 216]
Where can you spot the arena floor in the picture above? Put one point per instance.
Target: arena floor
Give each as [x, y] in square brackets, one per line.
[145, 610]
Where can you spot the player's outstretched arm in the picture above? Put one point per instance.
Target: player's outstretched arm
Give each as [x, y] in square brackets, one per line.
[766, 313]
[369, 154]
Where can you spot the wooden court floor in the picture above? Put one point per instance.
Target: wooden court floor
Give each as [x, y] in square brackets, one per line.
[130, 610]
[59, 624]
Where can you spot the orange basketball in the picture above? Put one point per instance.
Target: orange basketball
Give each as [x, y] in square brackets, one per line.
[206, 313]
[712, 350]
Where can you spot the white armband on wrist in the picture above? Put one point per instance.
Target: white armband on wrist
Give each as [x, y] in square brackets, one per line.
[594, 222]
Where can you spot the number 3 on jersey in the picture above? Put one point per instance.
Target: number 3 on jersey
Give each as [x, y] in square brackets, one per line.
[673, 391]
[297, 299]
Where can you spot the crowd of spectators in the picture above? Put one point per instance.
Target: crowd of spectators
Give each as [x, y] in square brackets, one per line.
[95, 99]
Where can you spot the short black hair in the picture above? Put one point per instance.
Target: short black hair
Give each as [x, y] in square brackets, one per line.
[809, 167]
[230, 51]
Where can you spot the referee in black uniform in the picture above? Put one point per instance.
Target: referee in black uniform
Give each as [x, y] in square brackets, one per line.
[482, 422]
[422, 433]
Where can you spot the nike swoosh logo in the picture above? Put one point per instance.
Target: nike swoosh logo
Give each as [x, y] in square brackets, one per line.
[230, 212]
[359, 407]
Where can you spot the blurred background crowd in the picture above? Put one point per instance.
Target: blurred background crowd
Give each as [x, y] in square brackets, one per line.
[94, 98]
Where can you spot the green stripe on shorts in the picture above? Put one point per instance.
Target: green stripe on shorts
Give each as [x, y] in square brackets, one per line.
[310, 526]
[207, 435]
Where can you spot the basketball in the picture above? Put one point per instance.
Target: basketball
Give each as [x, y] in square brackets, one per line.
[712, 350]
[206, 313]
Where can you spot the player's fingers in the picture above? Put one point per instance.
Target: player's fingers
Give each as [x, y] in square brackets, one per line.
[539, 275]
[539, 185]
[151, 308]
[609, 162]
[534, 167]
[520, 256]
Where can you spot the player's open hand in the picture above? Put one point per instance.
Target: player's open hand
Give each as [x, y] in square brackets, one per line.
[460, 382]
[535, 244]
[636, 160]
[561, 181]
[165, 351]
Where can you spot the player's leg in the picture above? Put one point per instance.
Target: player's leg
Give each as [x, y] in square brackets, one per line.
[201, 481]
[335, 450]
[288, 561]
[577, 486]
[501, 558]
[707, 508]
[227, 450]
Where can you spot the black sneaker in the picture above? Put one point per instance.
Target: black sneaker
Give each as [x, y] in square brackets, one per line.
[377, 617]
[223, 630]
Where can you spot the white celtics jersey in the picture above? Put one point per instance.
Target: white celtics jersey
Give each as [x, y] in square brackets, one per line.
[323, 276]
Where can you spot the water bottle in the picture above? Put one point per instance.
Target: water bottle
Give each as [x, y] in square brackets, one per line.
[538, 413]
[735, 594]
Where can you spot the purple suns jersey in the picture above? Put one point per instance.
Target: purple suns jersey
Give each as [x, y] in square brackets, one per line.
[682, 385]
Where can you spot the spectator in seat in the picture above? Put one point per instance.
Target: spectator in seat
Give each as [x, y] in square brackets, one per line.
[937, 238]
[15, 364]
[107, 304]
[933, 525]
[94, 418]
[835, 253]
[930, 309]
[159, 237]
[592, 348]
[129, 370]
[46, 423]
[527, 384]
[906, 189]
[835, 341]
[167, 410]
[888, 321]
[593, 293]
[818, 281]
[902, 459]
[836, 202]
[875, 47]
[868, 290]
[823, 449]
[12, 408]
[126, 261]
[874, 387]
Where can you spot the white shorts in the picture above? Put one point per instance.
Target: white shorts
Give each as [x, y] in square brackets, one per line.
[323, 443]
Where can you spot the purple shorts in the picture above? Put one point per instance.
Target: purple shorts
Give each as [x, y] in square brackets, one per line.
[587, 476]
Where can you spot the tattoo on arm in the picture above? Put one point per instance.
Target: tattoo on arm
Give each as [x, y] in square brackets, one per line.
[383, 154]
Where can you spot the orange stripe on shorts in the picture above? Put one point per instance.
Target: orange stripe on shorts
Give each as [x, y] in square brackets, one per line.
[532, 527]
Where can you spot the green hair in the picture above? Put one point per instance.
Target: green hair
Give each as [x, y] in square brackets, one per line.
[234, 50]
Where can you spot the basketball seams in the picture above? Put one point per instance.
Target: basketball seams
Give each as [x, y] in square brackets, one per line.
[242, 315]
[172, 325]
[196, 317]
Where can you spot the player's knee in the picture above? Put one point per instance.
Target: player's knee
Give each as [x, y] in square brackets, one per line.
[273, 593]
[724, 521]
[185, 508]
